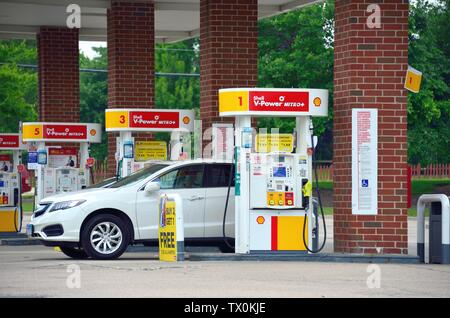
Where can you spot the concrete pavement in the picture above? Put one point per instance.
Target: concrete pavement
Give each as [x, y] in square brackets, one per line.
[412, 234]
[38, 271]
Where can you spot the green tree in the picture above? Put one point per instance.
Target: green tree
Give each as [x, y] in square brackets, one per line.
[296, 50]
[182, 92]
[18, 87]
[429, 110]
[170, 91]
[94, 96]
[177, 91]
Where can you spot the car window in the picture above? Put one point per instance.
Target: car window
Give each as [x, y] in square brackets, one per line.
[167, 180]
[189, 177]
[103, 183]
[217, 175]
[138, 176]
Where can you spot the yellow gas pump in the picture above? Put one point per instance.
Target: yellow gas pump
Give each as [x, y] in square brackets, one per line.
[273, 187]
[10, 183]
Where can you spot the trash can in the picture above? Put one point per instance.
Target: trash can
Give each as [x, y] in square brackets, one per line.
[435, 233]
[439, 228]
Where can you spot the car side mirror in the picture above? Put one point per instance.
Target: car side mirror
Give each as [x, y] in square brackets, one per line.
[152, 187]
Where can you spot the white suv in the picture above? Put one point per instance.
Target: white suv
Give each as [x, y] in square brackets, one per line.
[100, 223]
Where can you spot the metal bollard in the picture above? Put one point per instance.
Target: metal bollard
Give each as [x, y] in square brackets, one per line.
[445, 244]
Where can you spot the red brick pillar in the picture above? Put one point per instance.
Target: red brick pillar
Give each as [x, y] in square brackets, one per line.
[228, 51]
[58, 73]
[369, 71]
[131, 72]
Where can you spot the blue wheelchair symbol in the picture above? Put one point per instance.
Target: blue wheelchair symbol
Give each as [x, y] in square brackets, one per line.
[365, 183]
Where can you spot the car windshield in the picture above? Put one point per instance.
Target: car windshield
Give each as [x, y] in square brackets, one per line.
[102, 184]
[138, 176]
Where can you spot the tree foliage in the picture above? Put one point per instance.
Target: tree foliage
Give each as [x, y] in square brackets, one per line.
[170, 91]
[94, 96]
[429, 110]
[182, 92]
[295, 50]
[18, 87]
[177, 91]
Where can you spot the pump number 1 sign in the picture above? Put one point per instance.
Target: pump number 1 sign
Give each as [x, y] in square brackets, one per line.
[413, 80]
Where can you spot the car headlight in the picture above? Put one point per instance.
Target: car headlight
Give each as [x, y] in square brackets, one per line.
[64, 205]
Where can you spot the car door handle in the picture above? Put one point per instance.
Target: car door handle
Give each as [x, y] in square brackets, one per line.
[195, 197]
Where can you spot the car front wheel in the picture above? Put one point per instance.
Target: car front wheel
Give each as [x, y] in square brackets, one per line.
[105, 236]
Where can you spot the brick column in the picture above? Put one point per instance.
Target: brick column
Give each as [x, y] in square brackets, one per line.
[228, 51]
[131, 72]
[58, 74]
[369, 71]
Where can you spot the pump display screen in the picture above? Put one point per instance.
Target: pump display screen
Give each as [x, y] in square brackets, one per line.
[2, 184]
[279, 172]
[42, 158]
[128, 151]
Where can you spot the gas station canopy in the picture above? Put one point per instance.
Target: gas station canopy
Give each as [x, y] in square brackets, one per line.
[175, 20]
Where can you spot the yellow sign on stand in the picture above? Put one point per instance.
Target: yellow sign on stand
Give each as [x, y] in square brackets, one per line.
[150, 150]
[413, 80]
[167, 231]
[274, 143]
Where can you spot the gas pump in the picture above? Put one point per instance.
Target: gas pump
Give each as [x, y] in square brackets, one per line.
[132, 155]
[60, 168]
[10, 183]
[273, 178]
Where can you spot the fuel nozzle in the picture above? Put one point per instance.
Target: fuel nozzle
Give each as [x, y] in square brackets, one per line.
[307, 192]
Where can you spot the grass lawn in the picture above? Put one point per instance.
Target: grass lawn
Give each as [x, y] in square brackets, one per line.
[419, 186]
[27, 207]
[411, 212]
[325, 185]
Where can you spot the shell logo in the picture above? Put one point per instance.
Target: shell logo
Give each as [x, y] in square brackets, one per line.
[260, 219]
[186, 120]
[317, 101]
[93, 132]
